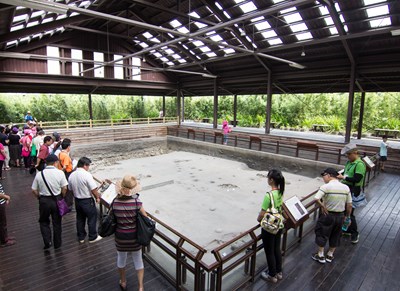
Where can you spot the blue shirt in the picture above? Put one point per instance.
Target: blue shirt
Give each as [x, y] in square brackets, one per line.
[383, 149]
[28, 117]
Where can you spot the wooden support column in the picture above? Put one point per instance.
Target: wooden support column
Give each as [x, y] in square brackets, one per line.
[350, 104]
[90, 107]
[163, 106]
[215, 119]
[183, 107]
[178, 105]
[234, 110]
[269, 105]
[360, 120]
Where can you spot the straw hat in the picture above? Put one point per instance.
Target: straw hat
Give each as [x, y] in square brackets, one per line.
[130, 183]
[349, 148]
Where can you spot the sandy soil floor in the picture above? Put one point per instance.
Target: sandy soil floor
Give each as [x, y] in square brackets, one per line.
[210, 200]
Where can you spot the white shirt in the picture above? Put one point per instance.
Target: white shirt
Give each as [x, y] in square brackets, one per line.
[54, 178]
[335, 195]
[81, 182]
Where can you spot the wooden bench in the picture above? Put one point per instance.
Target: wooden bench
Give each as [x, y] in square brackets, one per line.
[307, 146]
[394, 133]
[320, 127]
[255, 139]
[233, 122]
[206, 120]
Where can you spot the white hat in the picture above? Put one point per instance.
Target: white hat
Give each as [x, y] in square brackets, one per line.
[349, 148]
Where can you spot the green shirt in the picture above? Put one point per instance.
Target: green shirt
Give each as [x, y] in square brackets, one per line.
[277, 200]
[352, 168]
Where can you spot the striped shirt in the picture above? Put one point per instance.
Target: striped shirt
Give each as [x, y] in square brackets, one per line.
[335, 196]
[2, 200]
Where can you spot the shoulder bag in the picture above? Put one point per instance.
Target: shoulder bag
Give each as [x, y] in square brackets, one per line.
[272, 221]
[108, 223]
[145, 228]
[61, 204]
[360, 200]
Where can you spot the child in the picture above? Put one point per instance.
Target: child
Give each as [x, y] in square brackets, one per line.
[226, 129]
[383, 152]
[5, 240]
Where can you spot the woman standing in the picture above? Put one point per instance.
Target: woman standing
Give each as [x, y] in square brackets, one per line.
[26, 142]
[15, 148]
[124, 208]
[226, 130]
[272, 242]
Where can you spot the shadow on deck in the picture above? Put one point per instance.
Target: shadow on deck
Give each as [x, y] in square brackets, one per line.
[369, 265]
[25, 266]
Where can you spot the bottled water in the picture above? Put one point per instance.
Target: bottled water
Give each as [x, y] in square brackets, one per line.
[346, 223]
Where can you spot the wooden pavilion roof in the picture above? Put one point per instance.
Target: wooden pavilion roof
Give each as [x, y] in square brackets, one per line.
[306, 45]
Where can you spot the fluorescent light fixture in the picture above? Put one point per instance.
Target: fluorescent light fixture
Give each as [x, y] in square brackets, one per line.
[297, 66]
[395, 32]
[13, 55]
[38, 5]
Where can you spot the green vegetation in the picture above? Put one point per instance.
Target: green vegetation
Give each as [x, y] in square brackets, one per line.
[298, 111]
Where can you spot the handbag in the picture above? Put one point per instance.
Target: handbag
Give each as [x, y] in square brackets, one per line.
[108, 223]
[359, 201]
[145, 228]
[272, 221]
[62, 206]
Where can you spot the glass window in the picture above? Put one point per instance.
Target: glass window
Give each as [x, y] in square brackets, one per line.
[136, 73]
[118, 67]
[76, 66]
[98, 60]
[53, 66]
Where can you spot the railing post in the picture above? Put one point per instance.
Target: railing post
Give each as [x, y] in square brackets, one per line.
[112, 122]
[41, 124]
[67, 124]
[90, 123]
[164, 119]
[130, 120]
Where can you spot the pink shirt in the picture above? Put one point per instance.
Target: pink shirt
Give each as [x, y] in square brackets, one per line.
[2, 156]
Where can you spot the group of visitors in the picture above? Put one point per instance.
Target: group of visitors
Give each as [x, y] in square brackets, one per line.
[335, 201]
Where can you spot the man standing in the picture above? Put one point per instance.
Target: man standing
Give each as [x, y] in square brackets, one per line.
[84, 188]
[43, 153]
[28, 117]
[48, 186]
[334, 199]
[353, 176]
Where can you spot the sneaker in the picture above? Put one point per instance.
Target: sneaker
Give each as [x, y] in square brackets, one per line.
[82, 241]
[315, 257]
[47, 246]
[329, 258]
[355, 238]
[269, 278]
[8, 243]
[279, 276]
[96, 240]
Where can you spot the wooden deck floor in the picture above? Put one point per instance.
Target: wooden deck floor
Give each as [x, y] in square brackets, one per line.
[25, 266]
[369, 265]
[372, 264]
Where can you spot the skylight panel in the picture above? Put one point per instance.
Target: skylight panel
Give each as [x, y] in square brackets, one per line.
[380, 22]
[20, 18]
[323, 10]
[304, 36]
[229, 51]
[370, 2]
[143, 45]
[48, 19]
[18, 27]
[238, 1]
[227, 15]
[61, 16]
[171, 35]
[154, 39]
[205, 49]
[284, 11]
[198, 43]
[341, 18]
[194, 14]
[262, 25]
[216, 37]
[84, 4]
[26, 38]
[293, 17]
[33, 23]
[157, 54]
[200, 25]
[182, 61]
[164, 59]
[74, 14]
[277, 1]
[257, 19]
[254, 45]
[219, 6]
[248, 7]
[328, 20]
[248, 39]
[11, 43]
[183, 29]
[211, 32]
[376, 11]
[37, 13]
[211, 55]
[169, 51]
[269, 33]
[170, 63]
[333, 30]
[299, 27]
[337, 7]
[175, 23]
[176, 56]
[275, 41]
[147, 35]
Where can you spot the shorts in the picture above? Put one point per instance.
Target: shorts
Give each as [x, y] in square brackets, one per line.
[329, 229]
[383, 158]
